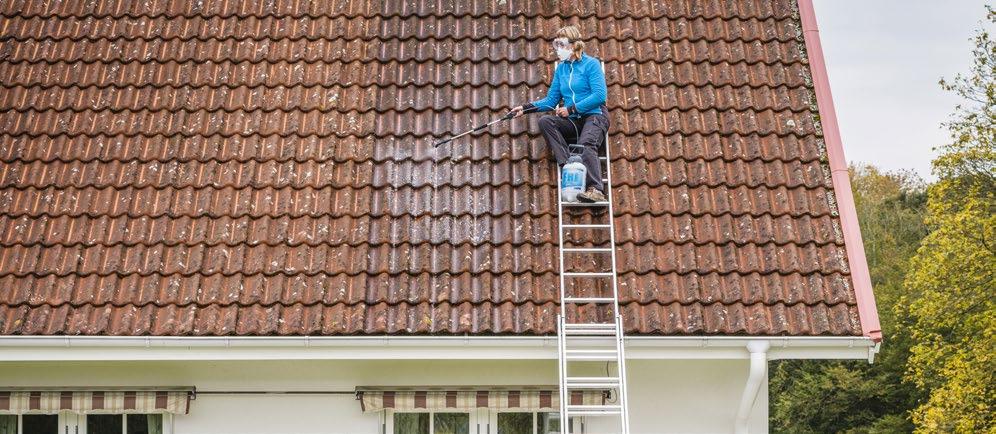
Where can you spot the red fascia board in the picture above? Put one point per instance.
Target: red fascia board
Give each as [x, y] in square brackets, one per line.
[860, 277]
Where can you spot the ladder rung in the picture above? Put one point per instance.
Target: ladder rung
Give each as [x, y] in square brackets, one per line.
[597, 355]
[575, 146]
[590, 326]
[611, 380]
[592, 382]
[590, 334]
[614, 413]
[605, 331]
[591, 351]
[587, 249]
[593, 410]
[594, 413]
[588, 226]
[587, 273]
[584, 204]
[589, 300]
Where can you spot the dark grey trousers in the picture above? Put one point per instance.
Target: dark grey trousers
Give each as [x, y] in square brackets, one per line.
[559, 131]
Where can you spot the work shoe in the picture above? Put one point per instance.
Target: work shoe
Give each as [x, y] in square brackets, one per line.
[592, 196]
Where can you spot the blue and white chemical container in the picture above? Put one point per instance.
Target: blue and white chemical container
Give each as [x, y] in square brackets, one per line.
[572, 178]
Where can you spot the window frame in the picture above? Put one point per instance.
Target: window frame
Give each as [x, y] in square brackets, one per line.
[81, 422]
[485, 420]
[20, 419]
[578, 421]
[76, 422]
[62, 420]
[494, 417]
[475, 419]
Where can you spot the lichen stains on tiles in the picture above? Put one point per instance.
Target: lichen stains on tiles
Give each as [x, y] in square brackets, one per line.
[261, 168]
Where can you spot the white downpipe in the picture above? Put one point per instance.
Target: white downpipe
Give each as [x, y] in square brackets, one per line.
[758, 372]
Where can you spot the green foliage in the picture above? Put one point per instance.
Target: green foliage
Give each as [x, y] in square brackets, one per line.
[937, 369]
[849, 397]
[953, 275]
[855, 397]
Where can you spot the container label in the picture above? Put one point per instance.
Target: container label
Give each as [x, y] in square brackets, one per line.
[572, 179]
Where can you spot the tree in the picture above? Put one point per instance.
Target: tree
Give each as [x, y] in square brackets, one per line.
[953, 275]
[937, 370]
[856, 397]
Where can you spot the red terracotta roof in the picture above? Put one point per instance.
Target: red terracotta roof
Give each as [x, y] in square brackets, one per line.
[252, 168]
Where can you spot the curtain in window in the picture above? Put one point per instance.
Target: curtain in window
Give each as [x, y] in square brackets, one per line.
[155, 424]
[411, 423]
[372, 400]
[8, 424]
[85, 402]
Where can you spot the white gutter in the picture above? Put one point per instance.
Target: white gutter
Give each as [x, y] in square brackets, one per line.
[758, 373]
[82, 348]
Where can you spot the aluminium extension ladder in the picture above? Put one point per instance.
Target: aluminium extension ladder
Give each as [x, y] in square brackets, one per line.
[579, 343]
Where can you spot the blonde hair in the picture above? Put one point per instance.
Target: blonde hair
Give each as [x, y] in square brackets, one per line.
[573, 35]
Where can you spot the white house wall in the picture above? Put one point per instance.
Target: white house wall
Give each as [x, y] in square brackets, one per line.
[679, 396]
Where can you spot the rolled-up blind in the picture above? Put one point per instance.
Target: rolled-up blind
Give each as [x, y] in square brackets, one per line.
[174, 401]
[372, 400]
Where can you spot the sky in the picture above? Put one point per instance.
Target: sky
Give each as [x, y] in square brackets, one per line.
[885, 58]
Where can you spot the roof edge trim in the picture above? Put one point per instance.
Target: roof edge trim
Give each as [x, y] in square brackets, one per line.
[183, 348]
[853, 243]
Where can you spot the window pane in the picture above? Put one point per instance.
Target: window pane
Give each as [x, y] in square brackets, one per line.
[515, 423]
[451, 423]
[8, 424]
[145, 424]
[104, 424]
[411, 423]
[549, 423]
[40, 423]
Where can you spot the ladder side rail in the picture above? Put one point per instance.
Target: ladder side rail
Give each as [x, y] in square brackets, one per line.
[565, 418]
[560, 244]
[612, 222]
[620, 331]
[562, 368]
[560, 236]
[621, 371]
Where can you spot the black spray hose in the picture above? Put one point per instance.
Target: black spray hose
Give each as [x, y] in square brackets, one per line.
[507, 116]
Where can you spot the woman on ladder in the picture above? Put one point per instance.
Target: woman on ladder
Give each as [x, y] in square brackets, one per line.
[579, 83]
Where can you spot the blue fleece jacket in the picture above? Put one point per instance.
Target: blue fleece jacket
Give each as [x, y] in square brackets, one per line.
[580, 84]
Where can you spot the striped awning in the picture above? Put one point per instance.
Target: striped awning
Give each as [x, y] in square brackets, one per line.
[175, 401]
[372, 400]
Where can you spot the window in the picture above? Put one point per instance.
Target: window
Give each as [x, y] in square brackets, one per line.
[104, 424]
[451, 423]
[8, 424]
[516, 423]
[528, 423]
[29, 424]
[82, 424]
[124, 424]
[472, 422]
[416, 423]
[430, 422]
[144, 424]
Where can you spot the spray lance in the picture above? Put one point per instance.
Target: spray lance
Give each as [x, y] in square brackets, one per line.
[508, 116]
[572, 173]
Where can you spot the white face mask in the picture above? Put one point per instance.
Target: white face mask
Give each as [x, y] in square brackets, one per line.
[564, 53]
